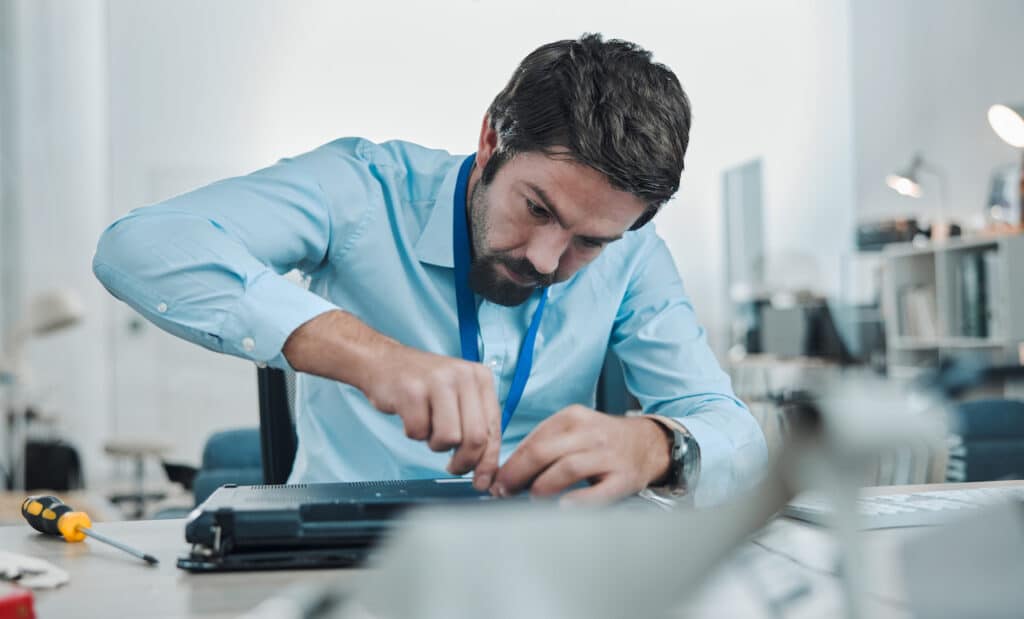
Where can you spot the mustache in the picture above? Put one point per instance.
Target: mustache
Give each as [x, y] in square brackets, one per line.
[525, 269]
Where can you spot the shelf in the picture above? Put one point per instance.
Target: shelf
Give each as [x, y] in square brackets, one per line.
[906, 372]
[907, 250]
[913, 343]
[931, 294]
[972, 342]
[904, 250]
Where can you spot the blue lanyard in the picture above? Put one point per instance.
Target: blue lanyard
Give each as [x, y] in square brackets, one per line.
[469, 327]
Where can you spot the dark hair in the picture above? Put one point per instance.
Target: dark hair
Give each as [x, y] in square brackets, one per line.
[605, 104]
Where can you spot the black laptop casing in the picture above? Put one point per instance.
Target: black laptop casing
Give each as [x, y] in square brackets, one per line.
[307, 525]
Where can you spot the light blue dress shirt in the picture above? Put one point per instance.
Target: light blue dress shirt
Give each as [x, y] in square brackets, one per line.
[371, 227]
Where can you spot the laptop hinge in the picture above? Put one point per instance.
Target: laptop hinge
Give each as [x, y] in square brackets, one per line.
[223, 529]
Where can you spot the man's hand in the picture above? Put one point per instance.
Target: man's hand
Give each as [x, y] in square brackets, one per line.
[450, 403]
[618, 455]
[447, 402]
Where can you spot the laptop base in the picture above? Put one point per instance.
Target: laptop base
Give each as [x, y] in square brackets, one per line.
[201, 560]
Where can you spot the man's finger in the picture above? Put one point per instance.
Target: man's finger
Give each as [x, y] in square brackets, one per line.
[487, 467]
[474, 432]
[539, 450]
[608, 490]
[415, 414]
[568, 471]
[445, 427]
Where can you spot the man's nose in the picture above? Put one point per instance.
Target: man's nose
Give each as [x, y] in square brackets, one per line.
[547, 248]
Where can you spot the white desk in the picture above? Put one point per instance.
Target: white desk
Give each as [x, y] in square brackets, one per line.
[813, 552]
[106, 582]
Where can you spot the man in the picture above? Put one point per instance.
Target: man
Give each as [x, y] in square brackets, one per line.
[533, 256]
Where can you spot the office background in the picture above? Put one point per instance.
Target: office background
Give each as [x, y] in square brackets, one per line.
[110, 105]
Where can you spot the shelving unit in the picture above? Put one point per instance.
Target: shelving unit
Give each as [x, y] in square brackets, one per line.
[961, 297]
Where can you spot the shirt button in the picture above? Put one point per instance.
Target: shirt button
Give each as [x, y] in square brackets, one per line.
[249, 344]
[161, 308]
[261, 365]
[493, 363]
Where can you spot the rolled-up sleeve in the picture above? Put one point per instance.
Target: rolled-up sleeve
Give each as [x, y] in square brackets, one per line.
[208, 265]
[672, 371]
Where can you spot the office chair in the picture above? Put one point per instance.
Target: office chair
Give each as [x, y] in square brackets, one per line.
[278, 441]
[987, 441]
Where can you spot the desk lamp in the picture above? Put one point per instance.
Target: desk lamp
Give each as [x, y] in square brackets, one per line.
[906, 182]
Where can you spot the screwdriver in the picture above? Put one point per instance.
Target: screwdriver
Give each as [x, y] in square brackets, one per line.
[47, 514]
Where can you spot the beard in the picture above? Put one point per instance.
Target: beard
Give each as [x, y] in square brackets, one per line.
[485, 279]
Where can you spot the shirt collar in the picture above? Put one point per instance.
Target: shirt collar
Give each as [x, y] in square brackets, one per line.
[435, 243]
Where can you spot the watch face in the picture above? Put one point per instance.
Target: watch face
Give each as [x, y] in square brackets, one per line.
[678, 445]
[684, 462]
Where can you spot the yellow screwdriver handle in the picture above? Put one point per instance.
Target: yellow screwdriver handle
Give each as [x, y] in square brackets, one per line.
[47, 514]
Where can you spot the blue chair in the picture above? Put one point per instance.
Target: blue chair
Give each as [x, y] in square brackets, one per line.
[229, 457]
[987, 442]
[250, 456]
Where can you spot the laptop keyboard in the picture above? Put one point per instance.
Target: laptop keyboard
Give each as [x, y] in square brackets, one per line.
[906, 510]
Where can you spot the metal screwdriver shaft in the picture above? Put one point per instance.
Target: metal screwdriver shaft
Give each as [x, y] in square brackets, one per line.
[148, 558]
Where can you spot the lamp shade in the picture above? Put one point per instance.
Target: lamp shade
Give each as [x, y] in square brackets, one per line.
[905, 182]
[49, 311]
[904, 185]
[1008, 123]
[53, 310]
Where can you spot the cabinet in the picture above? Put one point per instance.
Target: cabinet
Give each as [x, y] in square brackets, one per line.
[956, 298]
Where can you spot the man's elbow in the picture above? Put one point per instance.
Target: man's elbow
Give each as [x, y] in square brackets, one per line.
[118, 249]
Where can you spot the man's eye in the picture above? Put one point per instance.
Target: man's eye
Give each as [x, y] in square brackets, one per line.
[536, 211]
[591, 243]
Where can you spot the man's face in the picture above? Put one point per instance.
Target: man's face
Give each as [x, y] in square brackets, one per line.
[539, 221]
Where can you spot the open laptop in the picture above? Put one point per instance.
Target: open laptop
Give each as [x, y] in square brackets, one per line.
[307, 525]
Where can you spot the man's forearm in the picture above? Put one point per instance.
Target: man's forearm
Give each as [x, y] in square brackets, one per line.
[336, 345]
[445, 401]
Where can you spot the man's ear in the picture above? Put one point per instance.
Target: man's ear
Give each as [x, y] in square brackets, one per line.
[488, 143]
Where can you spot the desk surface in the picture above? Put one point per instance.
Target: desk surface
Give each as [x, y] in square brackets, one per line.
[104, 579]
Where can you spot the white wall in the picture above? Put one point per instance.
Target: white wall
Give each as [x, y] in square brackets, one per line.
[9, 270]
[200, 90]
[58, 183]
[768, 80]
[924, 74]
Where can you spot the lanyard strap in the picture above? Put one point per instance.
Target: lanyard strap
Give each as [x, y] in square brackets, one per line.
[469, 326]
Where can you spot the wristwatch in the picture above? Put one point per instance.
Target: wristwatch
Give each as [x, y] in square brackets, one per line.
[684, 458]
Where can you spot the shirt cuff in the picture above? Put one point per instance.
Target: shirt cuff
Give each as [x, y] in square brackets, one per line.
[716, 484]
[268, 312]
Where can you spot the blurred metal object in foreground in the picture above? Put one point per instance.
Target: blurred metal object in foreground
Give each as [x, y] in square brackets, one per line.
[969, 568]
[537, 560]
[515, 560]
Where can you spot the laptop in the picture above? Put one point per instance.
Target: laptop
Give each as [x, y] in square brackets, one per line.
[291, 526]
[288, 526]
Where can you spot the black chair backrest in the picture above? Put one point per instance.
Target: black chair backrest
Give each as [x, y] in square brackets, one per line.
[277, 425]
[612, 395]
